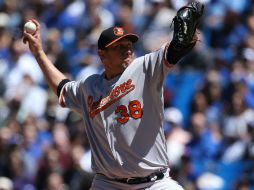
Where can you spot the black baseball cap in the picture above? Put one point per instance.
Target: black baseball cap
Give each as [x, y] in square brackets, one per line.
[113, 34]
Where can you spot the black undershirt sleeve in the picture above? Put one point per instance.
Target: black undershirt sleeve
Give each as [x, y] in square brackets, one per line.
[175, 54]
[60, 86]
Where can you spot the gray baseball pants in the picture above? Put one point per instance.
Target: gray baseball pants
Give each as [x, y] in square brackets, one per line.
[100, 182]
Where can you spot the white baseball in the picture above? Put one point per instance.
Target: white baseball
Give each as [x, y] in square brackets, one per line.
[30, 27]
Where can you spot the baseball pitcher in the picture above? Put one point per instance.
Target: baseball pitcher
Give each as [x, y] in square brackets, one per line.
[123, 108]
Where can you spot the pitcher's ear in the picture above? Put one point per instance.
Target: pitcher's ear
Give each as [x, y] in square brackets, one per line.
[101, 53]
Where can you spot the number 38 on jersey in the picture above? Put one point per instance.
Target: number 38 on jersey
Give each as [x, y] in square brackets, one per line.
[133, 110]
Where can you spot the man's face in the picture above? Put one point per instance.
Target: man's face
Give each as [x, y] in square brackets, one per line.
[119, 54]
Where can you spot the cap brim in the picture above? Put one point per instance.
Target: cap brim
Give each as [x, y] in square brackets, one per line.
[132, 37]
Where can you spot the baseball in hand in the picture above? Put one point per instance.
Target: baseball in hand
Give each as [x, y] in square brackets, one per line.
[30, 27]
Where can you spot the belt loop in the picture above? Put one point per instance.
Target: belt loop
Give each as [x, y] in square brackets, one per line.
[128, 179]
[153, 177]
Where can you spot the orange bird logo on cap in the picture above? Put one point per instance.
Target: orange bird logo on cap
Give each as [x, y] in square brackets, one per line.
[118, 31]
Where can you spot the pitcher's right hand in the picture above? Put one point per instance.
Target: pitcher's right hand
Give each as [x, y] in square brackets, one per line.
[34, 40]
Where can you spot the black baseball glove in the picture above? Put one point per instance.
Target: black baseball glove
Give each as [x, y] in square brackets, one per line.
[185, 25]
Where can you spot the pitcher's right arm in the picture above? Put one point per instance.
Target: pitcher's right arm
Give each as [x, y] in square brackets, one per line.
[53, 76]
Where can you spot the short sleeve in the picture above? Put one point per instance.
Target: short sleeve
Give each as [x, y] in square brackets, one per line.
[156, 65]
[71, 95]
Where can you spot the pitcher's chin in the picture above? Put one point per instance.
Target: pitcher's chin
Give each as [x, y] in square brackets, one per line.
[127, 62]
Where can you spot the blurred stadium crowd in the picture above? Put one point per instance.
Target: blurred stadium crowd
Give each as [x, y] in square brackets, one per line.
[209, 95]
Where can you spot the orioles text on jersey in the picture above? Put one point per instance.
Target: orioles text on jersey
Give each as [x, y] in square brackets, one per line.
[116, 94]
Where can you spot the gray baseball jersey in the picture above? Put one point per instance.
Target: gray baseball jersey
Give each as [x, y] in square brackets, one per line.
[124, 117]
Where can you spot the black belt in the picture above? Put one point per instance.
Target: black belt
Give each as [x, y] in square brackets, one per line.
[137, 180]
